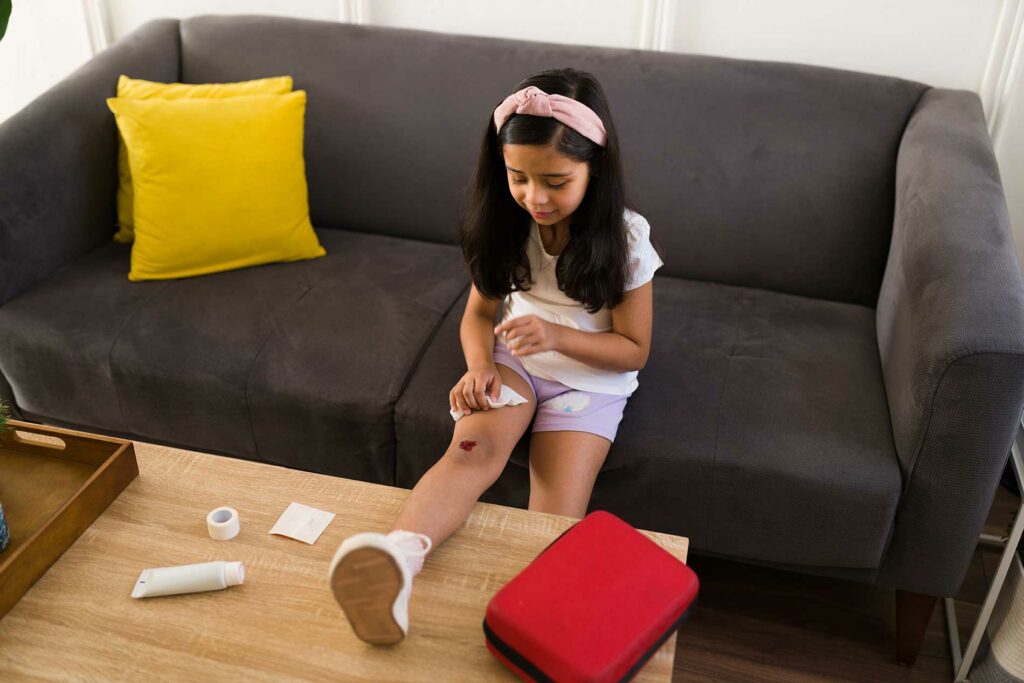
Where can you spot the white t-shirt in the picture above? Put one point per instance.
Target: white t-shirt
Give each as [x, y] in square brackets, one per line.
[546, 301]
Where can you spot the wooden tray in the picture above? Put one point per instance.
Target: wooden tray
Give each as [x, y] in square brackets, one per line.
[53, 484]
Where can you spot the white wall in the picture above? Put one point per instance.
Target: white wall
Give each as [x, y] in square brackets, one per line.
[970, 44]
[45, 40]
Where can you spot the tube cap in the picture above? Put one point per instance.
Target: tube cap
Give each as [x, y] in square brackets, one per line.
[234, 573]
[223, 524]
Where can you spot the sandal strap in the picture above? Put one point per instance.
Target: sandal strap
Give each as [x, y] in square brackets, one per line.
[423, 545]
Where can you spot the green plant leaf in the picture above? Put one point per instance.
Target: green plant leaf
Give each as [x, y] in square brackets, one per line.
[5, 15]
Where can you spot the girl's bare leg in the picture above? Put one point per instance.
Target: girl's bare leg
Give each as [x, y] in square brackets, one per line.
[563, 469]
[366, 582]
[482, 443]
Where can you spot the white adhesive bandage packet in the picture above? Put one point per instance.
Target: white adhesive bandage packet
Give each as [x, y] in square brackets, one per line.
[506, 397]
[302, 523]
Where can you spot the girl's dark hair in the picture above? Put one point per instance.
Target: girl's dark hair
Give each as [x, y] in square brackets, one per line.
[494, 228]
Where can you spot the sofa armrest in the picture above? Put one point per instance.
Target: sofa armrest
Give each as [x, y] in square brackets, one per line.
[950, 325]
[58, 174]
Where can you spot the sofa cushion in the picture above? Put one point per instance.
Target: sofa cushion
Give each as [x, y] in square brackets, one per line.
[218, 183]
[56, 338]
[805, 470]
[298, 364]
[140, 89]
[779, 447]
[764, 174]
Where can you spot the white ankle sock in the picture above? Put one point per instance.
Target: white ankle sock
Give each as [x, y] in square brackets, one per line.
[415, 547]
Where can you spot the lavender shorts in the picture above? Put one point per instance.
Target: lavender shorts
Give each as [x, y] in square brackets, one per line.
[561, 408]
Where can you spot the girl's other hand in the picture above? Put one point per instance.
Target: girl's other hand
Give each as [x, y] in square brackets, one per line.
[529, 334]
[471, 391]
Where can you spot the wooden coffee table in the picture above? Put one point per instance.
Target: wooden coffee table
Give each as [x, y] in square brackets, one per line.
[282, 624]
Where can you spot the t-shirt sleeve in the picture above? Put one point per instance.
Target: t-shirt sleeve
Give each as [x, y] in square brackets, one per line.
[643, 259]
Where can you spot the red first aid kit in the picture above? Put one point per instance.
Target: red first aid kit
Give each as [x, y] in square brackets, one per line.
[595, 605]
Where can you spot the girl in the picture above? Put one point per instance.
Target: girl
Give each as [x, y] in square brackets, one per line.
[547, 237]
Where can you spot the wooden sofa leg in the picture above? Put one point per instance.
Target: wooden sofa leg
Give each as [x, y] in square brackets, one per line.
[913, 612]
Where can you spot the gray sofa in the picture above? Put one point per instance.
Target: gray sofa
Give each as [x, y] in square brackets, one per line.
[837, 367]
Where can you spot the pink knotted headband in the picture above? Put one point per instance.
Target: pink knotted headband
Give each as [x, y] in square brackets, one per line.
[534, 101]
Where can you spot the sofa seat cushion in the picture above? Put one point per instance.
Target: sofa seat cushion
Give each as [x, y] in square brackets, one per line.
[760, 428]
[298, 364]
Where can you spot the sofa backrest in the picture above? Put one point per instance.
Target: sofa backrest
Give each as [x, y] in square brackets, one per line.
[762, 174]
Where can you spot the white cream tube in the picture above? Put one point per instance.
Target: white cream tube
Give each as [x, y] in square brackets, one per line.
[188, 578]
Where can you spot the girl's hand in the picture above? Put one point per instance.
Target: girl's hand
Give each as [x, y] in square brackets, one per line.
[529, 334]
[470, 392]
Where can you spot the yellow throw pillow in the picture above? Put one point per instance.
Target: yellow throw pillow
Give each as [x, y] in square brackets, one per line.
[219, 183]
[143, 90]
